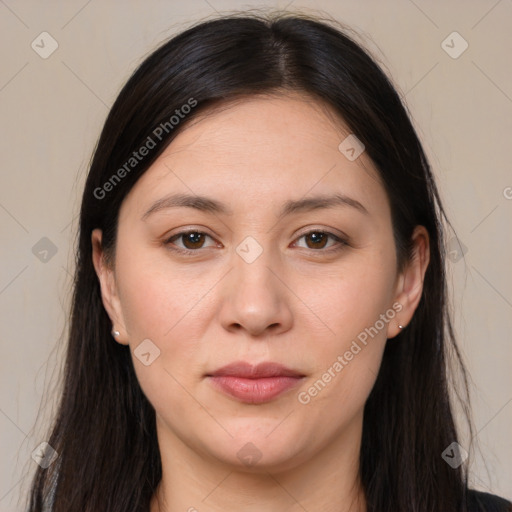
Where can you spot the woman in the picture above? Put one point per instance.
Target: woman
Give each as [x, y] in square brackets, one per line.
[260, 315]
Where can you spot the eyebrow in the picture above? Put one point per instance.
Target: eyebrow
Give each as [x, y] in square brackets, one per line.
[209, 205]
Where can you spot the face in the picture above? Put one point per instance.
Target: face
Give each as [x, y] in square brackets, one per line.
[259, 264]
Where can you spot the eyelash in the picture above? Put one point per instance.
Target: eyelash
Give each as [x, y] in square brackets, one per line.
[341, 242]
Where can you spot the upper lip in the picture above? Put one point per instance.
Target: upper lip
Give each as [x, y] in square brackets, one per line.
[249, 371]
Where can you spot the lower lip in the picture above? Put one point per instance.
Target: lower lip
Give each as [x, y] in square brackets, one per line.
[254, 391]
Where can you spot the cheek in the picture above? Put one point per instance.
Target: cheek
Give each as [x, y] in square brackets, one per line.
[156, 297]
[353, 296]
[335, 397]
[356, 304]
[346, 362]
[157, 308]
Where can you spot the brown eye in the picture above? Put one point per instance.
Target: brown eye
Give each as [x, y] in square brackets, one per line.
[319, 240]
[190, 241]
[193, 240]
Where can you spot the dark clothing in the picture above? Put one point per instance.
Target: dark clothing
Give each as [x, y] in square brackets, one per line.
[485, 502]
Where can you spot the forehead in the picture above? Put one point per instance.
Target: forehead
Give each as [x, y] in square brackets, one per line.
[262, 146]
[280, 120]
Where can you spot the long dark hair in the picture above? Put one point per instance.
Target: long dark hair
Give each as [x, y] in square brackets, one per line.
[104, 432]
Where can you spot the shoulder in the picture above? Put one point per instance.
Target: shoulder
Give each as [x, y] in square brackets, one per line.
[484, 502]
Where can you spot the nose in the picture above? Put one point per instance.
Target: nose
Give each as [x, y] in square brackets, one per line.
[255, 298]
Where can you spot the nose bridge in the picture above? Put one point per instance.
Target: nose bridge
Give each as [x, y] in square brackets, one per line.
[254, 298]
[252, 271]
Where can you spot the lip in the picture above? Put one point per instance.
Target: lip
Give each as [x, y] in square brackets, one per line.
[254, 384]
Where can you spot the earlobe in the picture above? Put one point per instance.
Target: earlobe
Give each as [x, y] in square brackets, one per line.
[108, 287]
[410, 282]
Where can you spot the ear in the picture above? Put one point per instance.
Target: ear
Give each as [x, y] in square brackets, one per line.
[410, 281]
[108, 286]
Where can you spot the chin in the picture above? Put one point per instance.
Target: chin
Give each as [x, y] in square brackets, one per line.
[255, 450]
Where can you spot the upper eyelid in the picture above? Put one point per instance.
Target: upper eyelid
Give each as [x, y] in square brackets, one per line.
[204, 230]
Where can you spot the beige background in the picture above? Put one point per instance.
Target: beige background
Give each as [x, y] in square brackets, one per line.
[52, 111]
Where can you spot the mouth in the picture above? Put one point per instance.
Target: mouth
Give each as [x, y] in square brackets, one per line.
[254, 384]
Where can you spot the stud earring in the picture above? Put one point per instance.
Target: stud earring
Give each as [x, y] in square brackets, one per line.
[400, 326]
[115, 333]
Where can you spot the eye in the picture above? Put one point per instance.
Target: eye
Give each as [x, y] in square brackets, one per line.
[317, 239]
[191, 240]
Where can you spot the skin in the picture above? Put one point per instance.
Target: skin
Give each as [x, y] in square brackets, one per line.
[298, 304]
